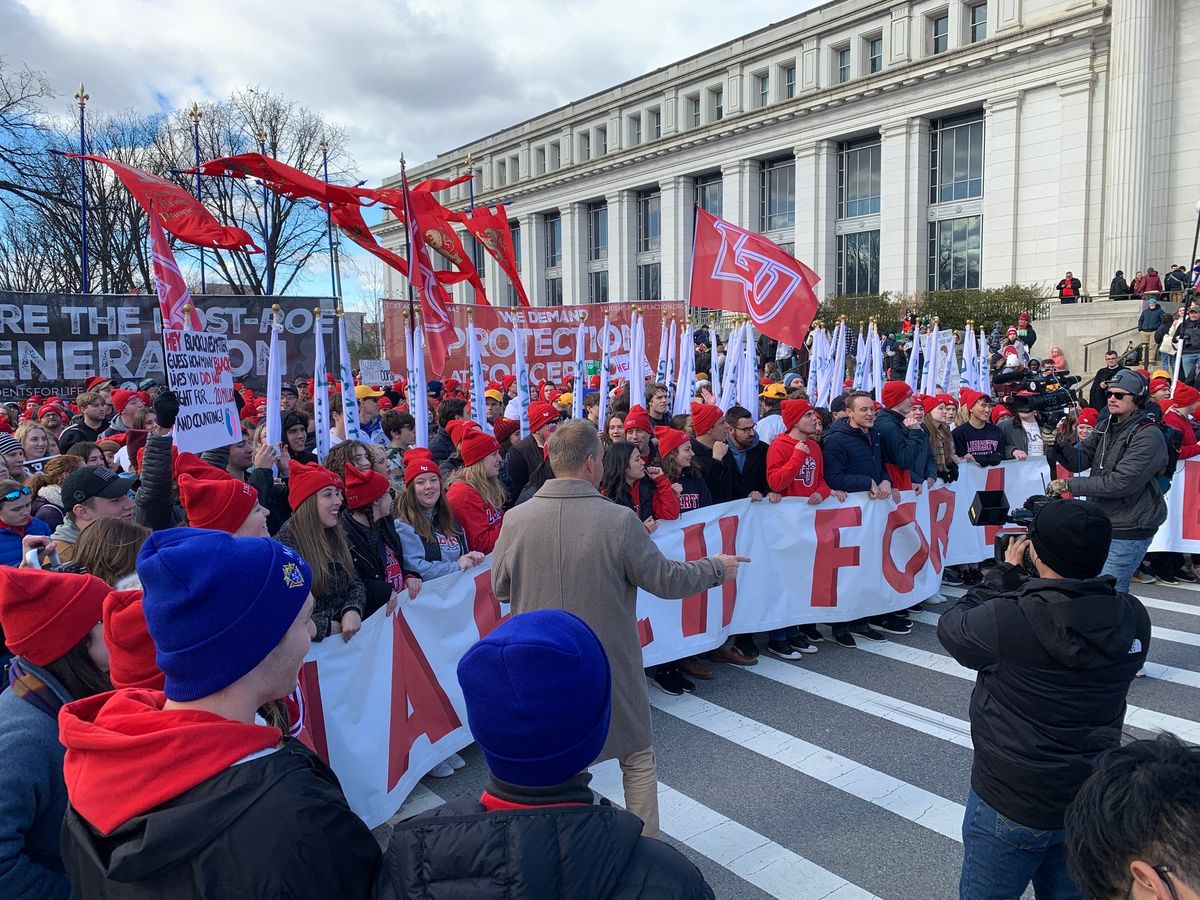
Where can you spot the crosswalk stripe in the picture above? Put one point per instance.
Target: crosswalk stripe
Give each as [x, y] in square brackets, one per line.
[1137, 716]
[1162, 634]
[901, 712]
[906, 800]
[768, 866]
[1170, 605]
[1174, 674]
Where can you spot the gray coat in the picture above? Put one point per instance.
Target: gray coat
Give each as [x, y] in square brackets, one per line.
[570, 548]
[1125, 459]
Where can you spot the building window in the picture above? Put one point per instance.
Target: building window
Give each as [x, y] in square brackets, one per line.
[553, 225]
[585, 147]
[874, 54]
[649, 285]
[514, 169]
[707, 192]
[777, 194]
[601, 141]
[762, 89]
[789, 82]
[649, 225]
[500, 173]
[842, 64]
[539, 161]
[510, 293]
[693, 108]
[978, 22]
[553, 157]
[858, 178]
[554, 291]
[858, 263]
[716, 103]
[635, 130]
[654, 123]
[598, 286]
[477, 253]
[956, 158]
[955, 253]
[597, 223]
[939, 33]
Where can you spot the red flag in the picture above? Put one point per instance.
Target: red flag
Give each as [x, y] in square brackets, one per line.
[178, 211]
[173, 293]
[349, 219]
[435, 302]
[490, 228]
[740, 271]
[281, 178]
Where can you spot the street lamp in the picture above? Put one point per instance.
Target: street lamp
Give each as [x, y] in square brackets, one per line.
[195, 115]
[268, 278]
[81, 97]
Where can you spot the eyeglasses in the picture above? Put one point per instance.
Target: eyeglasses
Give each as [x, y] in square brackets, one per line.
[1164, 872]
[1116, 395]
[743, 427]
[16, 494]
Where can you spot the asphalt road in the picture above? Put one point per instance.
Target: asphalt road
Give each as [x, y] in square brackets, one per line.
[844, 775]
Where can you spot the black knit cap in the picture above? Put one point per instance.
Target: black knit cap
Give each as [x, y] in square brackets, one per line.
[1072, 537]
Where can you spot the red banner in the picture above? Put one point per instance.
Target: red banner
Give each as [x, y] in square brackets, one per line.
[490, 227]
[549, 334]
[280, 177]
[180, 212]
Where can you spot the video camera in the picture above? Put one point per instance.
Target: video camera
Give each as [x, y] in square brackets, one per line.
[1047, 394]
[991, 508]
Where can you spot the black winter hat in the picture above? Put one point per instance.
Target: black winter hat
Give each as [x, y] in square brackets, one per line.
[1072, 537]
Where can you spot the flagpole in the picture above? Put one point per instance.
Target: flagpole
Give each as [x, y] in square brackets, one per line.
[268, 278]
[333, 273]
[412, 247]
[470, 184]
[82, 97]
[196, 115]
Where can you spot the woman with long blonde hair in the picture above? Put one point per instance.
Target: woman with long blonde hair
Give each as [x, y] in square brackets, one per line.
[476, 494]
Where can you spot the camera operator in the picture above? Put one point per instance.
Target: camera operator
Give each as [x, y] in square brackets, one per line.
[1055, 654]
[1126, 453]
[1028, 434]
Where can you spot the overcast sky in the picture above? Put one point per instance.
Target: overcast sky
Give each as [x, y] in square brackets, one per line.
[418, 77]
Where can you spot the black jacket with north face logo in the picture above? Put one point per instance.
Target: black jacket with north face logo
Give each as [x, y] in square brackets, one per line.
[1055, 659]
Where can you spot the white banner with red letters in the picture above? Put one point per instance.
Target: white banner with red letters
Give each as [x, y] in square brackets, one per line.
[385, 707]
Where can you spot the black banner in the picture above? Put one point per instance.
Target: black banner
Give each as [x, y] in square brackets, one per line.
[50, 343]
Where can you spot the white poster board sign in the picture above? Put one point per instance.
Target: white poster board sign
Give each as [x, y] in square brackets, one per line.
[199, 373]
[375, 372]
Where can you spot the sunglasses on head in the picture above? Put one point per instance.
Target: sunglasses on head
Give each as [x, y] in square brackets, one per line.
[16, 494]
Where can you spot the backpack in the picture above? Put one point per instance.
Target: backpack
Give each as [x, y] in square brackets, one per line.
[1174, 442]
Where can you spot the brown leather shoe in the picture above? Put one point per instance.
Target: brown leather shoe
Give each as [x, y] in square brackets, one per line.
[733, 656]
[693, 668]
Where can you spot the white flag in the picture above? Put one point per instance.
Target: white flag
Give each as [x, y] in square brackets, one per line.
[320, 392]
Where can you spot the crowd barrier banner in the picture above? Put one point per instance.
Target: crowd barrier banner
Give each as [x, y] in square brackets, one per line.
[49, 343]
[386, 707]
[549, 334]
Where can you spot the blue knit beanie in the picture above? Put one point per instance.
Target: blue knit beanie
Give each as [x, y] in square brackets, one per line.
[539, 697]
[216, 605]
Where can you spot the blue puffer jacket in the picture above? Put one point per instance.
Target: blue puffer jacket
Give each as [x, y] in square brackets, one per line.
[10, 541]
[853, 458]
[33, 795]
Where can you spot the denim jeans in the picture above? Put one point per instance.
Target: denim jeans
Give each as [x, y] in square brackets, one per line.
[782, 634]
[1000, 858]
[1123, 559]
[1187, 366]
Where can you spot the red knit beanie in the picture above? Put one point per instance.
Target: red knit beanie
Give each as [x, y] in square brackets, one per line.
[1000, 411]
[1088, 416]
[895, 393]
[969, 397]
[221, 503]
[456, 427]
[705, 417]
[669, 440]
[121, 398]
[793, 411]
[504, 429]
[541, 414]
[305, 479]
[637, 417]
[928, 403]
[44, 614]
[418, 461]
[476, 445]
[1185, 395]
[364, 488]
[131, 661]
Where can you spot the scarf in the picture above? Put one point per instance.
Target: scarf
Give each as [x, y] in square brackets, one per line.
[32, 689]
[942, 442]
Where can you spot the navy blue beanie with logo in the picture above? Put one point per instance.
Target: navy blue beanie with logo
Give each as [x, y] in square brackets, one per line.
[216, 605]
[538, 691]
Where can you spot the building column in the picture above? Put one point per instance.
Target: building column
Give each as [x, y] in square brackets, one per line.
[1074, 225]
[533, 258]
[1130, 125]
[675, 208]
[1001, 163]
[738, 199]
[816, 178]
[904, 178]
[621, 277]
[899, 40]
[574, 270]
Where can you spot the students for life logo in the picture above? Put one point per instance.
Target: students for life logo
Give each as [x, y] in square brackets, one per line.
[767, 284]
[808, 472]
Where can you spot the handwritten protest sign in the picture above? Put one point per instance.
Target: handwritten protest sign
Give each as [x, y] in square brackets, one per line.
[198, 371]
[375, 371]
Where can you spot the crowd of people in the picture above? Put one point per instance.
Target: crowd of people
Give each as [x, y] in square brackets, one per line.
[146, 748]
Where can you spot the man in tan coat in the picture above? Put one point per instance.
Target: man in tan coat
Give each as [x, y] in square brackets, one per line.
[570, 548]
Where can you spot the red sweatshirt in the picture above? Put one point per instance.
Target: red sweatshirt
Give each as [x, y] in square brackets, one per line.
[480, 521]
[793, 472]
[1189, 447]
